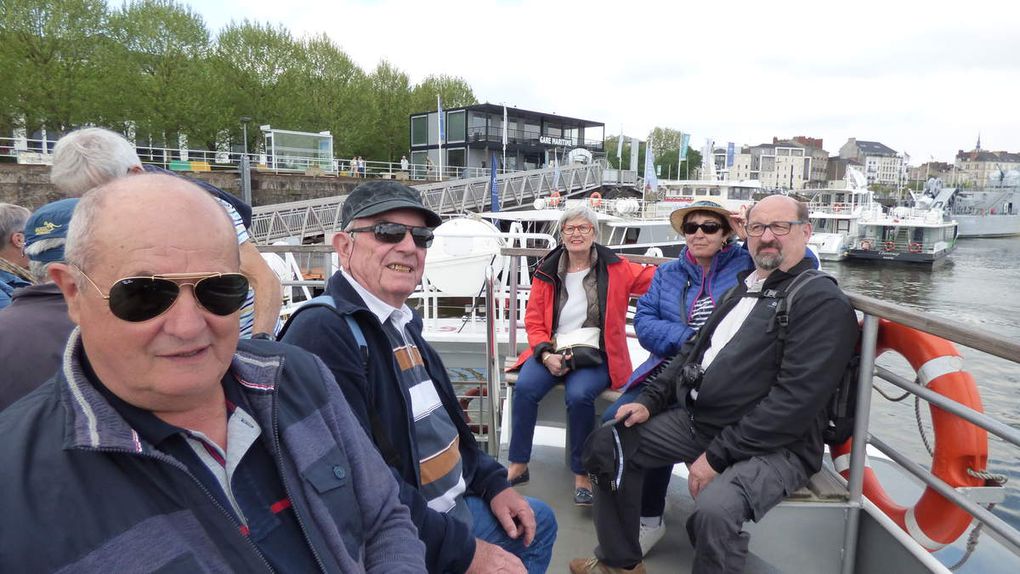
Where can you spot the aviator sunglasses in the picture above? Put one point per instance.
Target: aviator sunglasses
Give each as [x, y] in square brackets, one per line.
[394, 233]
[709, 227]
[137, 299]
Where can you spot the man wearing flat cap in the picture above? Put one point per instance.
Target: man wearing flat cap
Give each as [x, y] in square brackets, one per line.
[34, 328]
[467, 514]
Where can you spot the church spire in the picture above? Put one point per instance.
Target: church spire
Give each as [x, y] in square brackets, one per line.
[978, 148]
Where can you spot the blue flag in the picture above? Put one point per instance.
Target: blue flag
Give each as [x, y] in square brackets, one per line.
[442, 124]
[494, 184]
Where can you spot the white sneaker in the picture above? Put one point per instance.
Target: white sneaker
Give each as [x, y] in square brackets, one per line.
[650, 536]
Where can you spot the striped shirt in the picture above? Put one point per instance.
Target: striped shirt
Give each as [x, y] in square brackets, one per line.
[440, 467]
[700, 311]
[248, 309]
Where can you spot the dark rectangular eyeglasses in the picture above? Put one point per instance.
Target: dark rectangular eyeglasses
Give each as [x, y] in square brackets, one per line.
[709, 227]
[137, 299]
[386, 232]
[777, 227]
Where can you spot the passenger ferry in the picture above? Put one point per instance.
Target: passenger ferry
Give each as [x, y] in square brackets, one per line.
[906, 235]
[836, 218]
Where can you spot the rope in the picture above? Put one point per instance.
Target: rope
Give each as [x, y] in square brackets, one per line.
[920, 427]
[889, 397]
[972, 541]
[994, 478]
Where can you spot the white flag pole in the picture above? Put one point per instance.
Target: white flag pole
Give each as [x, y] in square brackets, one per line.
[439, 116]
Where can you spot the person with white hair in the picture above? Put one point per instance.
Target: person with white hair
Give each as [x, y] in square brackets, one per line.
[12, 260]
[90, 157]
[576, 320]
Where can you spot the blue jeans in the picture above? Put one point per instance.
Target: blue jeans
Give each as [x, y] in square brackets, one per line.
[535, 557]
[653, 495]
[583, 386]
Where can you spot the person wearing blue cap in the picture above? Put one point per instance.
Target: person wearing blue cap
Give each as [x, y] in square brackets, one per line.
[34, 328]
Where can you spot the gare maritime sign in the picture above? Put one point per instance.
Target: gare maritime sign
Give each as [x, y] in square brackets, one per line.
[549, 140]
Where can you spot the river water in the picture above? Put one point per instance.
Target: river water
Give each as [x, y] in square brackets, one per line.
[978, 287]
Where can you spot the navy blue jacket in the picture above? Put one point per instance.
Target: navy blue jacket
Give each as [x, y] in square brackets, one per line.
[449, 543]
[82, 492]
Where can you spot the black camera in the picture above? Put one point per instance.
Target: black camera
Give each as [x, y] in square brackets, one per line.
[691, 375]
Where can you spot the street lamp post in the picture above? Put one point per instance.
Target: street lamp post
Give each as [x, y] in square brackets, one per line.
[244, 129]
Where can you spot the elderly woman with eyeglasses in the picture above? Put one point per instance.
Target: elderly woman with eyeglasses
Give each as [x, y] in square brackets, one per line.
[579, 287]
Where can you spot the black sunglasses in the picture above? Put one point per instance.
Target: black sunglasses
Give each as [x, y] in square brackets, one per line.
[709, 227]
[386, 232]
[137, 299]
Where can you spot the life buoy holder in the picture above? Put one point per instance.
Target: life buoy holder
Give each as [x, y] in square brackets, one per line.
[595, 199]
[889, 246]
[866, 245]
[960, 447]
[554, 198]
[914, 247]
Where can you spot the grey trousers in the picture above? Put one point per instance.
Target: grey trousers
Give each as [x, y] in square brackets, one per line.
[744, 491]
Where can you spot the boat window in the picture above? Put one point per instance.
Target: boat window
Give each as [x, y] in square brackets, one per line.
[701, 191]
[918, 235]
[842, 226]
[632, 235]
[714, 191]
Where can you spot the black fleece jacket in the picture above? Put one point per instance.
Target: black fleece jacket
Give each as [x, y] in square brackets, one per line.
[752, 403]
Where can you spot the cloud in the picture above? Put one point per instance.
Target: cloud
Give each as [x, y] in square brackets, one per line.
[923, 78]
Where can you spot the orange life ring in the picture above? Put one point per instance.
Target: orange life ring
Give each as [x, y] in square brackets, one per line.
[866, 244]
[554, 198]
[889, 246]
[595, 199]
[933, 521]
[914, 247]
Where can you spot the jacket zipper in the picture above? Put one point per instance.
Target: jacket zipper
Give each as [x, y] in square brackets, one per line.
[172, 462]
[286, 488]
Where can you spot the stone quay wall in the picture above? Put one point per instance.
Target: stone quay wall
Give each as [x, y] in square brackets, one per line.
[29, 185]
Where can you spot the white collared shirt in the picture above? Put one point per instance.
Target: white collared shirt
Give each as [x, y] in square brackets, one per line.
[381, 309]
[733, 320]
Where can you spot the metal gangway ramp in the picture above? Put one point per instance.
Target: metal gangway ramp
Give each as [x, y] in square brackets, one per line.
[316, 217]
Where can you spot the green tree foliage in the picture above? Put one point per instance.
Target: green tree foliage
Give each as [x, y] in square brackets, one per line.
[164, 72]
[665, 146]
[153, 69]
[54, 64]
[260, 71]
[389, 110]
[455, 92]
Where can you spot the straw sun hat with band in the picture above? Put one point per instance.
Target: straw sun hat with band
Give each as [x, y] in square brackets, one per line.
[676, 218]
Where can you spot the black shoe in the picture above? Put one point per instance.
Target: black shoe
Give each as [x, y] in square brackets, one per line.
[521, 478]
[583, 496]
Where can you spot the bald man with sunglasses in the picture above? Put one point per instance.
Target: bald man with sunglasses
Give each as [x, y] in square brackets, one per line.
[165, 444]
[467, 514]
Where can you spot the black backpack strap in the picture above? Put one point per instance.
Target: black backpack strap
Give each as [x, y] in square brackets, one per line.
[781, 319]
[379, 433]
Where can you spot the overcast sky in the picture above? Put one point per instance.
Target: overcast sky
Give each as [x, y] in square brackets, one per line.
[922, 78]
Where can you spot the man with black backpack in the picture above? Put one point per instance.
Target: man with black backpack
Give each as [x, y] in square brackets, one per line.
[745, 404]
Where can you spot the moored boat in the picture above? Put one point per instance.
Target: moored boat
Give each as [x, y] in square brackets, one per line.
[906, 235]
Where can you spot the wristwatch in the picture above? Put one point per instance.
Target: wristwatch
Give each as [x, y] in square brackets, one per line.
[264, 336]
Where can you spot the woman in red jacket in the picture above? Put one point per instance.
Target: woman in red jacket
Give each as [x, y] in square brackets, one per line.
[580, 291]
